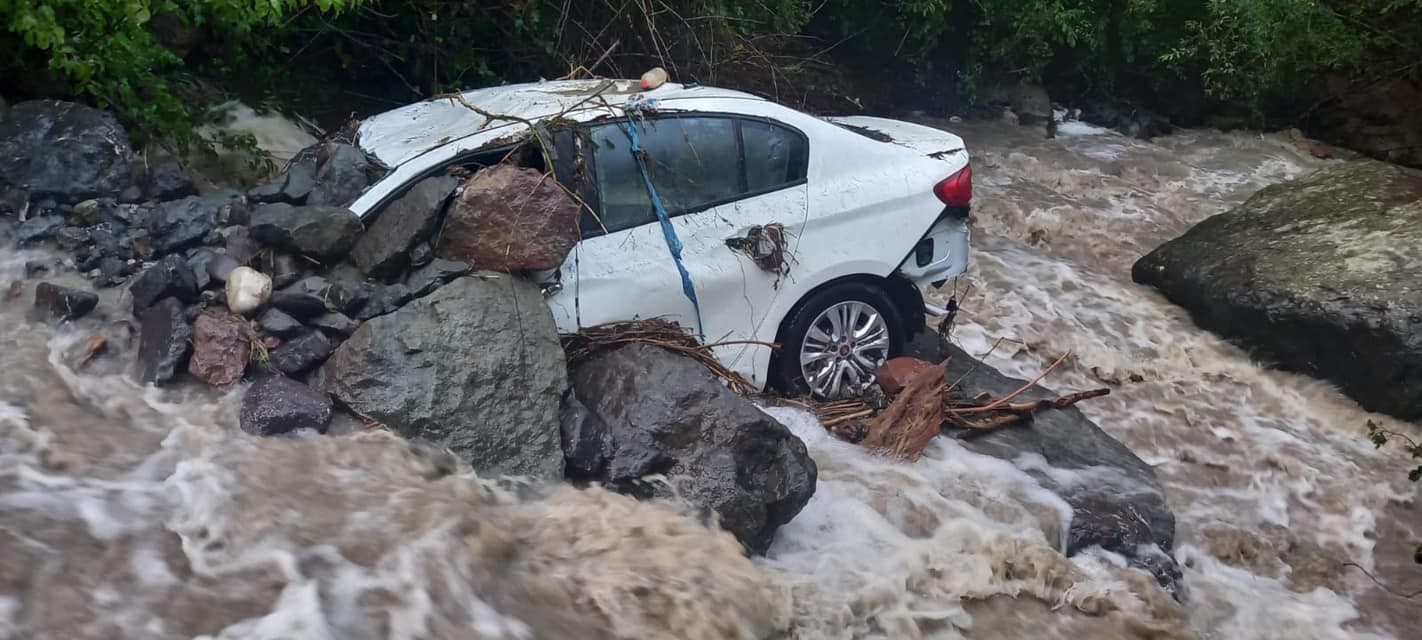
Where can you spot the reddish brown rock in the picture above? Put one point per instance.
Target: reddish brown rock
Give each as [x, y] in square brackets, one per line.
[220, 351]
[897, 373]
[510, 219]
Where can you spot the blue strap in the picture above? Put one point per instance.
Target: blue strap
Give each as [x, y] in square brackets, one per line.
[668, 231]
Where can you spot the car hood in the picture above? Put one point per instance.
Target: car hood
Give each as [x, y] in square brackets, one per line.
[926, 140]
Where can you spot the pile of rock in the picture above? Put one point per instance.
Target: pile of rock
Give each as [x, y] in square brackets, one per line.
[324, 312]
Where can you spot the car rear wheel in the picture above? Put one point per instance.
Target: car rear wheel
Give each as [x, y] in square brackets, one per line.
[833, 342]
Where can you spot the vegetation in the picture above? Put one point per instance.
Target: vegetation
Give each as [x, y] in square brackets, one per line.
[1380, 437]
[132, 54]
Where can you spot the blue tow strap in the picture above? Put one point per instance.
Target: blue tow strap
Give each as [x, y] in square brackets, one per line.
[668, 231]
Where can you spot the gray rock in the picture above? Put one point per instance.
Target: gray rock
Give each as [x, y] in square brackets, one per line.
[320, 232]
[169, 277]
[385, 299]
[662, 413]
[54, 302]
[37, 229]
[200, 261]
[342, 173]
[421, 255]
[510, 219]
[164, 340]
[1319, 275]
[239, 245]
[292, 186]
[220, 267]
[431, 276]
[284, 268]
[168, 181]
[299, 304]
[277, 405]
[278, 323]
[302, 353]
[346, 297]
[382, 251]
[180, 224]
[476, 366]
[337, 323]
[1119, 503]
[132, 194]
[72, 238]
[65, 151]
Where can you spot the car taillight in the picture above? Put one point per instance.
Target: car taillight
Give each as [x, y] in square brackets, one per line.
[957, 189]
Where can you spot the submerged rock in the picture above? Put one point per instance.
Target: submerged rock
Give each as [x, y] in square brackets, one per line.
[649, 411]
[1321, 275]
[276, 405]
[163, 341]
[476, 366]
[37, 229]
[1118, 502]
[64, 150]
[510, 219]
[320, 232]
[382, 251]
[63, 303]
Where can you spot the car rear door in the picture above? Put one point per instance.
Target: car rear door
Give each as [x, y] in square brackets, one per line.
[719, 177]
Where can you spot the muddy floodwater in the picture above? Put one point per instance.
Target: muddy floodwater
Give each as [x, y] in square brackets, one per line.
[131, 512]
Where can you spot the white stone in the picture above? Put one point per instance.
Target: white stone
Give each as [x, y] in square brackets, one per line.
[247, 290]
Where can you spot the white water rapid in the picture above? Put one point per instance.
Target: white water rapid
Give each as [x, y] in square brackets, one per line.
[129, 512]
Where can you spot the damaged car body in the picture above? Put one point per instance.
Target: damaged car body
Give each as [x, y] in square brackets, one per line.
[746, 222]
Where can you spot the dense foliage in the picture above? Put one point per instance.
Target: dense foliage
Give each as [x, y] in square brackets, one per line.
[128, 53]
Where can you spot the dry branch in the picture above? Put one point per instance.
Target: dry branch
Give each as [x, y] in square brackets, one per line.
[581, 346]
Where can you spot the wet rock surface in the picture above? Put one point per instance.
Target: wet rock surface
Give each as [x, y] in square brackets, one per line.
[1118, 502]
[510, 219]
[276, 405]
[475, 366]
[62, 150]
[648, 411]
[1321, 275]
[168, 181]
[54, 302]
[170, 277]
[383, 251]
[342, 173]
[164, 340]
[321, 232]
[302, 353]
[181, 224]
[220, 349]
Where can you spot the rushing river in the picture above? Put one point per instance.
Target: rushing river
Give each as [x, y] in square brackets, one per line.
[128, 512]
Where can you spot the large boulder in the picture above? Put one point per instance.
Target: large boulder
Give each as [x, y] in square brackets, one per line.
[1118, 503]
[475, 366]
[382, 252]
[315, 231]
[510, 219]
[64, 151]
[648, 411]
[1318, 275]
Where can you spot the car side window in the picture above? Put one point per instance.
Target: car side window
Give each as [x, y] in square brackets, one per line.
[693, 161]
[774, 155]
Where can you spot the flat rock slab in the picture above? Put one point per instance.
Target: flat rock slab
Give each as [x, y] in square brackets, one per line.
[1320, 275]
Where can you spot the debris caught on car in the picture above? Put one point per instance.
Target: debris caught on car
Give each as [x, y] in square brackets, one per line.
[765, 245]
[669, 335]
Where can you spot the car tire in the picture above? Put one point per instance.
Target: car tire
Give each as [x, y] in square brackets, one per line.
[786, 371]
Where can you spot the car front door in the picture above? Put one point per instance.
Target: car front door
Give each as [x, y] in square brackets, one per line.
[718, 178]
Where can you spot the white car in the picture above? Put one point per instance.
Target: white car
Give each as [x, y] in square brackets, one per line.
[863, 211]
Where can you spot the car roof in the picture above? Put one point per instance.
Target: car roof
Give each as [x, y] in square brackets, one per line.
[401, 134]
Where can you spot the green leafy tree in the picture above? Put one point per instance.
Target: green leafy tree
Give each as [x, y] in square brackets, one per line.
[108, 49]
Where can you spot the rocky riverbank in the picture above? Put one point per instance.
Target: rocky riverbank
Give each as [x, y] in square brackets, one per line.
[322, 318]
